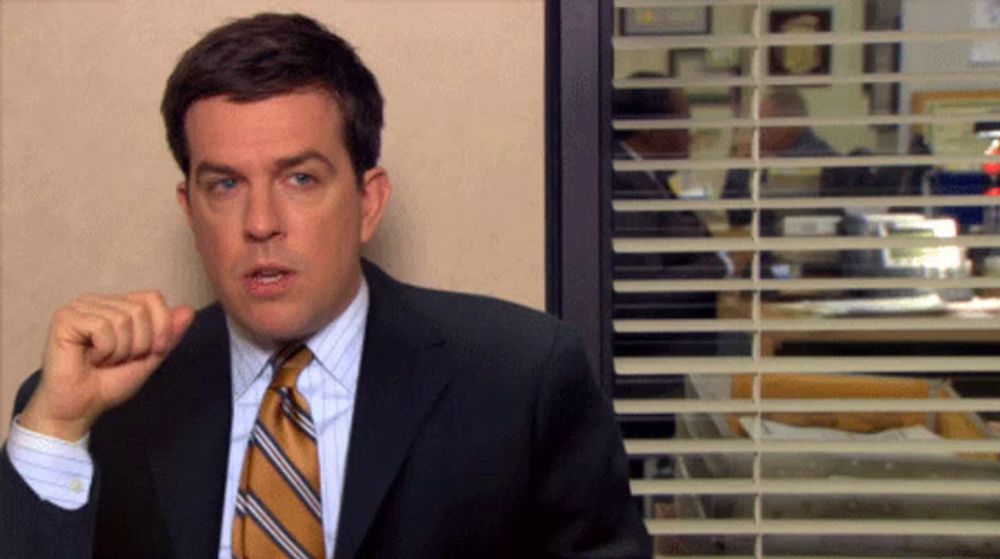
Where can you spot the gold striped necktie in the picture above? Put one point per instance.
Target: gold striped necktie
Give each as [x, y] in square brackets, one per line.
[278, 512]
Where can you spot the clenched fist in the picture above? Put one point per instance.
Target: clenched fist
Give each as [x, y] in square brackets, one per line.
[100, 350]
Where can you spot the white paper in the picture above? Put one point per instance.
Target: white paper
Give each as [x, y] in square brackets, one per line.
[775, 431]
[985, 15]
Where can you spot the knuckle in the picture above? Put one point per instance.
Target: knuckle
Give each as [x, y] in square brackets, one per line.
[65, 316]
[151, 302]
[61, 315]
[134, 308]
[123, 321]
[143, 314]
[104, 326]
[159, 302]
[149, 296]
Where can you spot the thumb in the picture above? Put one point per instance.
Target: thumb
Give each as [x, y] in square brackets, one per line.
[180, 319]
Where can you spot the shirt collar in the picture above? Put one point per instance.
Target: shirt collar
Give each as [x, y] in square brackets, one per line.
[630, 151]
[808, 144]
[250, 360]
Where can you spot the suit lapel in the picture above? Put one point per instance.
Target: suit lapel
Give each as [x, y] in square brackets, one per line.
[397, 386]
[190, 440]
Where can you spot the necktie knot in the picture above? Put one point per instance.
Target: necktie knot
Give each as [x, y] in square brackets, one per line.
[289, 363]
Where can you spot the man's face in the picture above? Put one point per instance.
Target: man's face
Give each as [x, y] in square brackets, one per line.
[776, 139]
[674, 143]
[275, 210]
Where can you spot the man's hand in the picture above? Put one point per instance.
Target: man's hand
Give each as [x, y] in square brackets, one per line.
[100, 351]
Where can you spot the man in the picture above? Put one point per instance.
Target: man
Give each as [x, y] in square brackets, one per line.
[413, 423]
[775, 141]
[663, 143]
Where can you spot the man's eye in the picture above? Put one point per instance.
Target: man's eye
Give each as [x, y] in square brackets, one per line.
[224, 184]
[302, 179]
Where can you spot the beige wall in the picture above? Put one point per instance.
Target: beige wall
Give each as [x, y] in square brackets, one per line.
[87, 181]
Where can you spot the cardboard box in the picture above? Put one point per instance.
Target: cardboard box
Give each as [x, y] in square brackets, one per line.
[838, 466]
[950, 425]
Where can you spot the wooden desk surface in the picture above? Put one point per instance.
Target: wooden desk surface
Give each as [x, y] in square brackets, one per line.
[736, 305]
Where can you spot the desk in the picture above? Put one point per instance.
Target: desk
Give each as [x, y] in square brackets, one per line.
[736, 305]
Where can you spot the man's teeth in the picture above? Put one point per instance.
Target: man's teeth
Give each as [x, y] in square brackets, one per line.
[269, 276]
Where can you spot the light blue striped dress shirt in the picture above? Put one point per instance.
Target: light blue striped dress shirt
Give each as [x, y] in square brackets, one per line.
[61, 472]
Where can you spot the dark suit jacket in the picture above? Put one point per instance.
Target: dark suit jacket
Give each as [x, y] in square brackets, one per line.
[737, 184]
[478, 432]
[642, 185]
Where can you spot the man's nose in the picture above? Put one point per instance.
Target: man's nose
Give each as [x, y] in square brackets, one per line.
[262, 220]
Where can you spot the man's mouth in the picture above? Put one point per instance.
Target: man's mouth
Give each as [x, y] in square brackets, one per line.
[268, 276]
[268, 281]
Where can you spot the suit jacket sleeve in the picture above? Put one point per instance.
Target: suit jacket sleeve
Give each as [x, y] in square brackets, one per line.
[31, 527]
[585, 507]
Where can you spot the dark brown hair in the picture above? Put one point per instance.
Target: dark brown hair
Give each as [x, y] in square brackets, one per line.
[254, 58]
[647, 103]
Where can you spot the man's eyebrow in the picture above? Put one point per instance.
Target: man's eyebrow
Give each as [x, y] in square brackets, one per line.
[295, 160]
[207, 167]
[285, 163]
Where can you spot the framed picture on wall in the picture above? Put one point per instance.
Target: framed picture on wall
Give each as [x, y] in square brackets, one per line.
[799, 60]
[666, 21]
[692, 64]
[956, 137]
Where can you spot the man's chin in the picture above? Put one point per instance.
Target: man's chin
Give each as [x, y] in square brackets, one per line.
[271, 325]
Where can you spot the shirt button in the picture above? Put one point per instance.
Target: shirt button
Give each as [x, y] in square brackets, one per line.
[75, 485]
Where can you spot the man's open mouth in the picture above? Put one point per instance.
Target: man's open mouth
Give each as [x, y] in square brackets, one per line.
[268, 281]
[268, 275]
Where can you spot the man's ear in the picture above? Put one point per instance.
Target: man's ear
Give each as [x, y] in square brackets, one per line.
[184, 200]
[375, 192]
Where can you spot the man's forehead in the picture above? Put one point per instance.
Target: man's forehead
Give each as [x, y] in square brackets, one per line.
[283, 125]
[231, 106]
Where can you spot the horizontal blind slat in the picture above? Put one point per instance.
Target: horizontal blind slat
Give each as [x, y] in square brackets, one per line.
[855, 324]
[927, 78]
[708, 3]
[647, 406]
[808, 284]
[626, 206]
[771, 556]
[953, 528]
[686, 3]
[748, 40]
[674, 556]
[645, 245]
[943, 447]
[679, 325]
[868, 120]
[803, 365]
[632, 165]
[853, 486]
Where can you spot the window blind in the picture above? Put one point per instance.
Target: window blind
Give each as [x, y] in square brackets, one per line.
[805, 264]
